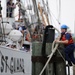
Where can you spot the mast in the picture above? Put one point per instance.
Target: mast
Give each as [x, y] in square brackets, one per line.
[23, 11]
[41, 13]
[36, 10]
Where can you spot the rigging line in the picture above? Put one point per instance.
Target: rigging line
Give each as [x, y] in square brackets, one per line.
[74, 27]
[57, 6]
[59, 11]
[51, 13]
[30, 8]
[53, 19]
[61, 55]
[27, 1]
[44, 5]
[50, 19]
[54, 16]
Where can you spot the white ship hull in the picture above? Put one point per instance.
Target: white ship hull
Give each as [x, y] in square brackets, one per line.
[14, 62]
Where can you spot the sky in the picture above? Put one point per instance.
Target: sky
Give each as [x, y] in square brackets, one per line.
[67, 13]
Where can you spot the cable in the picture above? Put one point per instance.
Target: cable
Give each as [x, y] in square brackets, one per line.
[48, 11]
[59, 11]
[61, 55]
[51, 13]
[55, 17]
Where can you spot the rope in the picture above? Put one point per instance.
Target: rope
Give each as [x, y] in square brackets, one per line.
[61, 55]
[53, 51]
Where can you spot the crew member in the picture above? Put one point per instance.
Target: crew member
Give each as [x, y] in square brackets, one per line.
[66, 39]
[10, 8]
[25, 32]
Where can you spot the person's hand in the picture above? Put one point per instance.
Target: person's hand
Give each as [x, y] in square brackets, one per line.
[57, 41]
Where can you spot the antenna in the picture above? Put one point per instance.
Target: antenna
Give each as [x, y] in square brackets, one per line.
[59, 12]
[74, 27]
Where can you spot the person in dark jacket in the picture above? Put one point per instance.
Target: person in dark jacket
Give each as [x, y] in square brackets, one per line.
[67, 40]
[10, 8]
[25, 32]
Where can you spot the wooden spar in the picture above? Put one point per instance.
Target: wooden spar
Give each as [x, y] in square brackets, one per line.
[41, 13]
[47, 19]
[46, 13]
